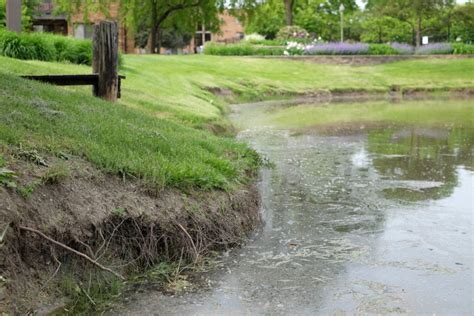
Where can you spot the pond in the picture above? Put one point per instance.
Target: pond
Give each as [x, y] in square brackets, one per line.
[368, 209]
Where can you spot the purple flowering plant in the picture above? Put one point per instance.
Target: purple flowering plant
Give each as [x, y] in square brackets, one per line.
[436, 48]
[337, 49]
[402, 48]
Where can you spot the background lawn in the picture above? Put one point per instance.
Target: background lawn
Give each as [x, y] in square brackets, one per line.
[172, 86]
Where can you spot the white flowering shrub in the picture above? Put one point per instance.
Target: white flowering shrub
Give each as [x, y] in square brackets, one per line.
[294, 48]
[254, 38]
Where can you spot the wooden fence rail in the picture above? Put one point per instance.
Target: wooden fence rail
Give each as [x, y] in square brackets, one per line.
[105, 80]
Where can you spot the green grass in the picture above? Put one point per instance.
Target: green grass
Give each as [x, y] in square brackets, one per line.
[157, 132]
[118, 139]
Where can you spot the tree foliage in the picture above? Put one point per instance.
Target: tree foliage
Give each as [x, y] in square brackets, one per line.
[381, 21]
[28, 11]
[385, 29]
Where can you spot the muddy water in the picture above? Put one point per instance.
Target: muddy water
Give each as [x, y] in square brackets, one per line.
[371, 218]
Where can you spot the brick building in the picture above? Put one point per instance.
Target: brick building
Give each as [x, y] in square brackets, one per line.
[46, 21]
[231, 31]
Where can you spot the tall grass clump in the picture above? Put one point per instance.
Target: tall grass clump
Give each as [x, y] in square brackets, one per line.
[45, 47]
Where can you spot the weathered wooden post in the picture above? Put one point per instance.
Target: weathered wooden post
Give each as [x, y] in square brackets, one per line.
[105, 60]
[14, 15]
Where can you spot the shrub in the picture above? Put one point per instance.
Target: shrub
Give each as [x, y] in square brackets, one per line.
[228, 50]
[434, 49]
[337, 49]
[78, 52]
[241, 50]
[294, 48]
[43, 48]
[269, 51]
[381, 49]
[254, 38]
[463, 49]
[14, 46]
[46, 47]
[292, 32]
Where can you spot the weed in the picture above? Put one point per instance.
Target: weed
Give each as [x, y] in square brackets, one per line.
[120, 211]
[89, 297]
[31, 156]
[55, 174]
[27, 190]
[7, 176]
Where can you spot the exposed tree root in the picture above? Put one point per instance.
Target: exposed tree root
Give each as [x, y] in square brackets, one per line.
[80, 254]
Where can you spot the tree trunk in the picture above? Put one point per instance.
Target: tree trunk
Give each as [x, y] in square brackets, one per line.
[418, 33]
[289, 4]
[105, 60]
[154, 27]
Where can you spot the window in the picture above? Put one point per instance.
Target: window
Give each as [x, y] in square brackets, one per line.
[83, 31]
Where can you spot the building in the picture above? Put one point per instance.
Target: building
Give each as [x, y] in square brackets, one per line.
[47, 21]
[231, 30]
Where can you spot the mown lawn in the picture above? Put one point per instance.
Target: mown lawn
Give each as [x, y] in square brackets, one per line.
[171, 87]
[157, 132]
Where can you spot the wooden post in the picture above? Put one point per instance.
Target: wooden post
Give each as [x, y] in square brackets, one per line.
[105, 60]
[14, 15]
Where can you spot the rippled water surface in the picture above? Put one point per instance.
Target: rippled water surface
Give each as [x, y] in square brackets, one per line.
[362, 216]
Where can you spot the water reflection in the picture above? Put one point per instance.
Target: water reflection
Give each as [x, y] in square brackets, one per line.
[423, 161]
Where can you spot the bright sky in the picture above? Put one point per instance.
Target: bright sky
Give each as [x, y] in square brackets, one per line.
[361, 2]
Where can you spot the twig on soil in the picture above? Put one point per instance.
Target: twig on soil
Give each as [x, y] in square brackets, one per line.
[192, 242]
[4, 233]
[54, 273]
[80, 254]
[88, 296]
[106, 243]
[89, 249]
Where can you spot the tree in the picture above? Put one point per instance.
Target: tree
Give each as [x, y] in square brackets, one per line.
[28, 11]
[152, 14]
[3, 11]
[463, 23]
[414, 12]
[321, 18]
[385, 29]
[266, 19]
[289, 7]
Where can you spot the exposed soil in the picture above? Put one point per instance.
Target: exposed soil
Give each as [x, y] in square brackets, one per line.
[101, 215]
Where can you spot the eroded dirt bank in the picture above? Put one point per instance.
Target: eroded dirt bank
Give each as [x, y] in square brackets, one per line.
[114, 221]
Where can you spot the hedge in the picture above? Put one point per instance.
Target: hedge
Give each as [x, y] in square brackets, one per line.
[241, 50]
[46, 47]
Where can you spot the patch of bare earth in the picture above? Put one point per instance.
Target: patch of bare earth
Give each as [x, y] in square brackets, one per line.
[92, 218]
